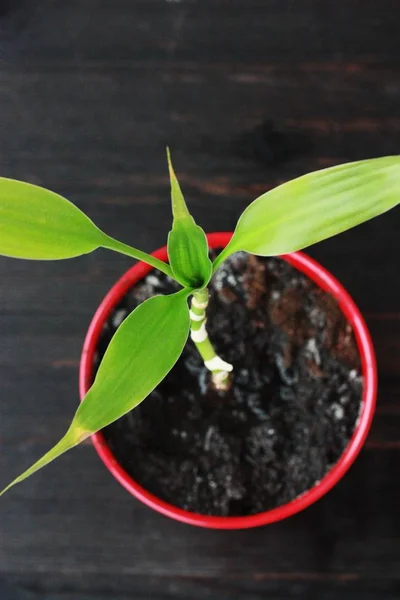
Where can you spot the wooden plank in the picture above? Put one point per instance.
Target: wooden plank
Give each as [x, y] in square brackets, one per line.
[350, 533]
[248, 94]
[257, 135]
[76, 31]
[298, 585]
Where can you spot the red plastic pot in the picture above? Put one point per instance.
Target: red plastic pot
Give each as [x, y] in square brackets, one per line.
[325, 281]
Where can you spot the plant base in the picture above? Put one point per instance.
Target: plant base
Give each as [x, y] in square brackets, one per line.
[326, 282]
[285, 420]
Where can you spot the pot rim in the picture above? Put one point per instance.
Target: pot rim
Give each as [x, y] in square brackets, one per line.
[319, 275]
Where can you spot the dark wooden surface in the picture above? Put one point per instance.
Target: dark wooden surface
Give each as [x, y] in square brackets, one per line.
[248, 93]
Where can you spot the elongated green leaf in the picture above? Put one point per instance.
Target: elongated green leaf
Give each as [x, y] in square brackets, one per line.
[187, 242]
[143, 350]
[316, 206]
[39, 224]
[36, 223]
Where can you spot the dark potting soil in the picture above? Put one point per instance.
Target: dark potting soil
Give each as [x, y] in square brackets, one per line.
[289, 414]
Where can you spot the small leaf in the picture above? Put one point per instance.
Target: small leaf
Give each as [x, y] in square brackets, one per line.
[187, 242]
[37, 223]
[316, 206]
[143, 350]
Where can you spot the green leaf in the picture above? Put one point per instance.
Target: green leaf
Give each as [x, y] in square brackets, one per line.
[187, 242]
[143, 350]
[37, 223]
[316, 206]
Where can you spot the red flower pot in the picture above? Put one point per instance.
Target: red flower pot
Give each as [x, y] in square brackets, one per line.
[325, 281]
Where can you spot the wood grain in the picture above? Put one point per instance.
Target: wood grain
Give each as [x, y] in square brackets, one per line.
[248, 95]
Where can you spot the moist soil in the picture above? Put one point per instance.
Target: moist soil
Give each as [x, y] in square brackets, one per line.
[288, 416]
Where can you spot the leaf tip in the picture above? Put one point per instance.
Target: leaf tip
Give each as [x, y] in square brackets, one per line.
[179, 208]
[4, 490]
[169, 161]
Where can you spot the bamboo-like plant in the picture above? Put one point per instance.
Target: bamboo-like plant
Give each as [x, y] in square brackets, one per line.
[36, 223]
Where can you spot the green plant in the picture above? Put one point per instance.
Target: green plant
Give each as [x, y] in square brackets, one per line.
[38, 224]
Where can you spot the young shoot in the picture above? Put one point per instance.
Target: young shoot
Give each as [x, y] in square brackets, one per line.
[191, 266]
[36, 223]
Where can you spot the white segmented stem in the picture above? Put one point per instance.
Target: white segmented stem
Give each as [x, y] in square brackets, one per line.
[217, 364]
[195, 317]
[199, 335]
[219, 369]
[199, 305]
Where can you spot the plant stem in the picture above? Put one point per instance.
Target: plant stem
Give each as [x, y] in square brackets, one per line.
[220, 370]
[112, 244]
